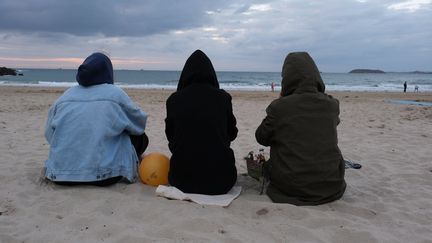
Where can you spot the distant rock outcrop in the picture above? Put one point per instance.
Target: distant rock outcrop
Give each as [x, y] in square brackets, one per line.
[7, 71]
[366, 71]
[421, 72]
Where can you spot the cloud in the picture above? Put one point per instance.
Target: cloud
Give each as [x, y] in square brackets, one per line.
[257, 8]
[411, 5]
[105, 17]
[236, 35]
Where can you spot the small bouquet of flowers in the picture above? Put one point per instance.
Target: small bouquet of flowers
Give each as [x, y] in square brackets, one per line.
[255, 164]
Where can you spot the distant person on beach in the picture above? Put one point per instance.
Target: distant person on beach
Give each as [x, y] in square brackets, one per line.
[272, 86]
[416, 88]
[405, 86]
[95, 131]
[200, 126]
[306, 166]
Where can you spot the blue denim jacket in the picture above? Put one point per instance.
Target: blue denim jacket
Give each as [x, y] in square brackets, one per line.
[88, 131]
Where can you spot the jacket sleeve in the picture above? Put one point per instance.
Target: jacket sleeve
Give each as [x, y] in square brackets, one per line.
[169, 132]
[336, 101]
[265, 131]
[338, 111]
[169, 126]
[136, 118]
[232, 122]
[49, 129]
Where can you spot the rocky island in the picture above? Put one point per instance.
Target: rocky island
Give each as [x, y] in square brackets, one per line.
[421, 72]
[7, 71]
[366, 71]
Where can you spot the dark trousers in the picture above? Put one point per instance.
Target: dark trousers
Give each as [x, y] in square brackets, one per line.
[140, 144]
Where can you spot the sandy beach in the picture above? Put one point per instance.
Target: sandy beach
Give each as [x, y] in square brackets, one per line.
[388, 200]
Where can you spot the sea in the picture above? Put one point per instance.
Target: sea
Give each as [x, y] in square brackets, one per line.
[253, 81]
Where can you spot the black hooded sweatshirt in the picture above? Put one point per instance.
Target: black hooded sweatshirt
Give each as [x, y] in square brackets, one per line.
[200, 126]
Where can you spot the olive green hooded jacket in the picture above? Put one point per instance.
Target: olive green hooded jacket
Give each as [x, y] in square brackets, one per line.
[306, 166]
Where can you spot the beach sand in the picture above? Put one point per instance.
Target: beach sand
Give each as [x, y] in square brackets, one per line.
[388, 200]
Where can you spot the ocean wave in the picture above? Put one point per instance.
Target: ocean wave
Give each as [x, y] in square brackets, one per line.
[391, 87]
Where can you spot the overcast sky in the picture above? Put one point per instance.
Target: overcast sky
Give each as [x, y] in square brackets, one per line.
[238, 35]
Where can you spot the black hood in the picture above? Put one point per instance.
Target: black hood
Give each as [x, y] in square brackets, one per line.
[198, 69]
[96, 69]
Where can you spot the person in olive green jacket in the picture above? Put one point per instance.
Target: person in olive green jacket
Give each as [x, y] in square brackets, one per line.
[306, 166]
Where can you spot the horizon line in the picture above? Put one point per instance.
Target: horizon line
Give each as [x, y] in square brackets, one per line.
[171, 70]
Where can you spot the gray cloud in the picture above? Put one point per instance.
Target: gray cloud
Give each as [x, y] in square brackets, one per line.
[106, 17]
[237, 35]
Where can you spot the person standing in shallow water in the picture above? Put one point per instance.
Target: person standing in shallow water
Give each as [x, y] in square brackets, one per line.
[306, 166]
[200, 126]
[405, 86]
[95, 131]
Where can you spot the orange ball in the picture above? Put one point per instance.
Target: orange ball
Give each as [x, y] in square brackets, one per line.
[154, 168]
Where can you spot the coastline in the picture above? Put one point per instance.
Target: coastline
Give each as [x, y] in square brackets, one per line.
[264, 88]
[387, 200]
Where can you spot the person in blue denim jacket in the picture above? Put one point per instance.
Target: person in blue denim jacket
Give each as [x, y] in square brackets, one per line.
[95, 131]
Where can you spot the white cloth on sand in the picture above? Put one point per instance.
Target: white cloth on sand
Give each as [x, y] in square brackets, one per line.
[219, 200]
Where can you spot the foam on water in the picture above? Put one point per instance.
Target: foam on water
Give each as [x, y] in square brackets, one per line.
[250, 81]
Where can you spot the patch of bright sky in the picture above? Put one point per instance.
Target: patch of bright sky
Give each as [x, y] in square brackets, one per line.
[411, 6]
[209, 29]
[258, 8]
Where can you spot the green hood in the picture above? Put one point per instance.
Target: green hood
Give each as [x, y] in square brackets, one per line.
[300, 75]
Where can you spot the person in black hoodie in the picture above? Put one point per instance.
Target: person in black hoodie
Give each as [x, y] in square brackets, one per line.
[200, 126]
